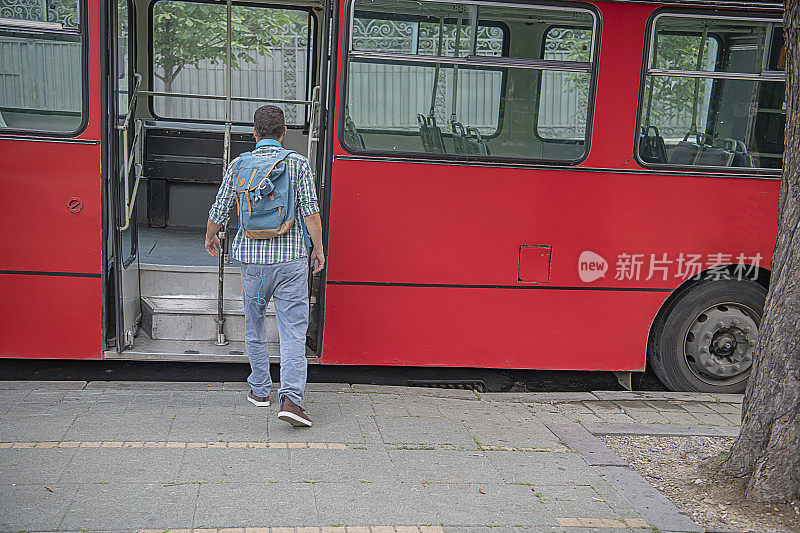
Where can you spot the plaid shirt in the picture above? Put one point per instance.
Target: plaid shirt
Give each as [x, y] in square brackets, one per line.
[284, 247]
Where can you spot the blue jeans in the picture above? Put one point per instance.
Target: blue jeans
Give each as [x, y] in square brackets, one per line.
[287, 284]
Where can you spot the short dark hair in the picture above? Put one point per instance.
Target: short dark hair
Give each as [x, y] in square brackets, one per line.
[269, 122]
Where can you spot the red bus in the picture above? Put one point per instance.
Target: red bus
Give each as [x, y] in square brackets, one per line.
[525, 185]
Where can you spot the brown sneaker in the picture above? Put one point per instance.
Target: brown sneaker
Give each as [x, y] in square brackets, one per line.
[257, 400]
[293, 413]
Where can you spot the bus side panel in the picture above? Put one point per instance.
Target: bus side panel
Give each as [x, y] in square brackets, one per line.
[44, 234]
[55, 314]
[502, 328]
[455, 224]
[618, 60]
[50, 317]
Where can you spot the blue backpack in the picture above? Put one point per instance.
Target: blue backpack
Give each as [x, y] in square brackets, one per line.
[265, 196]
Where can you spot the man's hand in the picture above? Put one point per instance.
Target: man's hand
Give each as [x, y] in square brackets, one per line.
[212, 244]
[317, 260]
[212, 241]
[314, 227]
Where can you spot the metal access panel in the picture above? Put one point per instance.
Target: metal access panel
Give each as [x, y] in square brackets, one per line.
[534, 263]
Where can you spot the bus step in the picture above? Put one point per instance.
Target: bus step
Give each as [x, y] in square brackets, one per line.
[467, 384]
[146, 349]
[194, 319]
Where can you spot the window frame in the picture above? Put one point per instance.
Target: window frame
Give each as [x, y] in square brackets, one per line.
[539, 89]
[647, 53]
[346, 35]
[80, 31]
[311, 61]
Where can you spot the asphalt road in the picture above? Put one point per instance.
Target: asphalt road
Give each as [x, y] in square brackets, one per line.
[488, 380]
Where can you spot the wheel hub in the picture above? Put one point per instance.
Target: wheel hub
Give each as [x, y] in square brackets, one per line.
[720, 342]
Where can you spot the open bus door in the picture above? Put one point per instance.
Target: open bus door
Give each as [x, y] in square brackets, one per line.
[174, 312]
[125, 143]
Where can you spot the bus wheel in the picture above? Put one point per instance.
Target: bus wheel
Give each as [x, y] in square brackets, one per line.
[705, 340]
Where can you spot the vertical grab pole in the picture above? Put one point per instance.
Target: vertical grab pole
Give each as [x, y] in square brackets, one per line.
[436, 71]
[226, 157]
[457, 47]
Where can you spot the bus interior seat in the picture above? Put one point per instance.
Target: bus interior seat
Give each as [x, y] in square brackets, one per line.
[722, 152]
[652, 148]
[431, 135]
[714, 156]
[468, 141]
[685, 153]
[740, 156]
[562, 149]
[351, 135]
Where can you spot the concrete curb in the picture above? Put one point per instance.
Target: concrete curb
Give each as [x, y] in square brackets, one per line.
[460, 394]
[587, 445]
[42, 385]
[538, 397]
[660, 430]
[157, 385]
[669, 396]
[656, 508]
[645, 498]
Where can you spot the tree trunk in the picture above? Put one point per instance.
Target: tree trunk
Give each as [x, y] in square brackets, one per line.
[767, 449]
[169, 77]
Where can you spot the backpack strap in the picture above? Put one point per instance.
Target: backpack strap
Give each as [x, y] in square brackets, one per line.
[283, 154]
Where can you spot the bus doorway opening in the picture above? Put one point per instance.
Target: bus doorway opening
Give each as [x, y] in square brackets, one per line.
[194, 73]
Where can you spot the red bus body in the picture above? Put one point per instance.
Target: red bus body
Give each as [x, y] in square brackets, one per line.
[425, 258]
[50, 261]
[441, 268]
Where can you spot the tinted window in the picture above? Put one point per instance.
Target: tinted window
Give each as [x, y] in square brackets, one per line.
[467, 80]
[714, 93]
[270, 59]
[564, 96]
[41, 82]
[64, 12]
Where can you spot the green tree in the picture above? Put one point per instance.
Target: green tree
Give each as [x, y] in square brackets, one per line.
[666, 98]
[669, 98]
[186, 33]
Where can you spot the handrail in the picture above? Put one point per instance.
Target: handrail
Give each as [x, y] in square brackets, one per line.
[129, 159]
[130, 198]
[476, 61]
[31, 24]
[768, 75]
[233, 98]
[313, 131]
[132, 104]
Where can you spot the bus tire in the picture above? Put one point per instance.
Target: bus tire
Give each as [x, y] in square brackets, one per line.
[705, 339]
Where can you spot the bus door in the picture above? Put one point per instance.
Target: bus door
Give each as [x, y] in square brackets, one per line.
[195, 118]
[125, 141]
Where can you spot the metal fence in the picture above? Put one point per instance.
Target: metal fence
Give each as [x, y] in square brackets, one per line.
[282, 73]
[63, 11]
[40, 74]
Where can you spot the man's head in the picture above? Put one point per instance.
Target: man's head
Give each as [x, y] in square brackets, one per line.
[269, 123]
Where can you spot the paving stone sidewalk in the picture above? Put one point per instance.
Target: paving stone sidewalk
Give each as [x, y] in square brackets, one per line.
[134, 456]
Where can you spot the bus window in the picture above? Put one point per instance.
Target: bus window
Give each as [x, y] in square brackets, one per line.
[272, 50]
[714, 94]
[465, 80]
[41, 85]
[563, 96]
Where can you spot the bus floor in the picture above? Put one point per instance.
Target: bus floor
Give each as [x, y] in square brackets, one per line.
[178, 285]
[174, 245]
